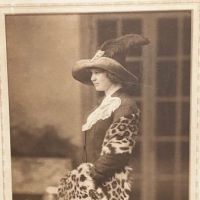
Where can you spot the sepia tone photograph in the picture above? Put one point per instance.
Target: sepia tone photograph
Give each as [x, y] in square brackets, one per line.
[99, 105]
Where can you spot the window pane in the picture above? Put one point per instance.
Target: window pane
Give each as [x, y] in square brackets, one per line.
[167, 36]
[165, 159]
[185, 119]
[186, 35]
[165, 190]
[132, 26]
[185, 158]
[166, 119]
[186, 78]
[136, 69]
[107, 29]
[166, 78]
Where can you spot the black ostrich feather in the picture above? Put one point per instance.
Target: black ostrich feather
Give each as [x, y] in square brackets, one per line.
[121, 45]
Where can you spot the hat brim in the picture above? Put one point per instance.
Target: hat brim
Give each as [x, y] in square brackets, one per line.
[81, 71]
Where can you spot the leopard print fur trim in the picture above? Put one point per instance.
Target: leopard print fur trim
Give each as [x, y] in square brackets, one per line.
[78, 185]
[120, 137]
[119, 187]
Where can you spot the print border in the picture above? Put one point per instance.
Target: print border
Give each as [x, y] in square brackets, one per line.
[48, 7]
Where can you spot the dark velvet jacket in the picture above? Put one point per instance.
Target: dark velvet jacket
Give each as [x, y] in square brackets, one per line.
[110, 133]
[108, 164]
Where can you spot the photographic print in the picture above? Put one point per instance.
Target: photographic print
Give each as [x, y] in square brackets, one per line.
[99, 102]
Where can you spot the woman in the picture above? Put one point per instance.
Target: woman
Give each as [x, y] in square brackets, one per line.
[110, 130]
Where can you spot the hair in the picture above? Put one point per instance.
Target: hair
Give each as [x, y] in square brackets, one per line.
[128, 88]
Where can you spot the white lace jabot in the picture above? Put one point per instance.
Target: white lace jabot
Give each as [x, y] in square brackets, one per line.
[103, 111]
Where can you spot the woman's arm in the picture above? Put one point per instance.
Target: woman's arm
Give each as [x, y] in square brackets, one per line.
[117, 145]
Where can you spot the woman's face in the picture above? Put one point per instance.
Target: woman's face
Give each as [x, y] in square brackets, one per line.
[100, 80]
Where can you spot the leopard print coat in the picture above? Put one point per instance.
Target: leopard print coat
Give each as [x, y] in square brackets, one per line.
[118, 140]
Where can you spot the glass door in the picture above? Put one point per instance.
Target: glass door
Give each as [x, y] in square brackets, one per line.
[161, 157]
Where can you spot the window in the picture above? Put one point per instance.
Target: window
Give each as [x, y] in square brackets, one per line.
[161, 156]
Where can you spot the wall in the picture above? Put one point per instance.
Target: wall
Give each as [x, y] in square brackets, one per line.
[41, 51]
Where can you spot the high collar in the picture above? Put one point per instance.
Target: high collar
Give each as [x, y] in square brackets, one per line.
[118, 92]
[112, 90]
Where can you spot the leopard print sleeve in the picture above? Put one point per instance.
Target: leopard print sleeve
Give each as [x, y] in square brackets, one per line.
[117, 146]
[120, 137]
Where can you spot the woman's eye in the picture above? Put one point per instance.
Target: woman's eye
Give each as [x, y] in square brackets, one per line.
[96, 72]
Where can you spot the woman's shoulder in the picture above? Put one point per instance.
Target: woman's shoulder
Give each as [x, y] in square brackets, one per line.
[127, 100]
[128, 106]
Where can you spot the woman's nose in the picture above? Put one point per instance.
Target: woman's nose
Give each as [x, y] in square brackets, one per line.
[93, 77]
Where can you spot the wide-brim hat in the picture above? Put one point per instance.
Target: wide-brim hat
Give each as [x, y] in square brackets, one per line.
[110, 57]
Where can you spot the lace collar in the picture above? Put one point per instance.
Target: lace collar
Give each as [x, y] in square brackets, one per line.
[103, 111]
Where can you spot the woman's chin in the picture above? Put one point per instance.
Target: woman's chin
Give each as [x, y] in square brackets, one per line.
[99, 89]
